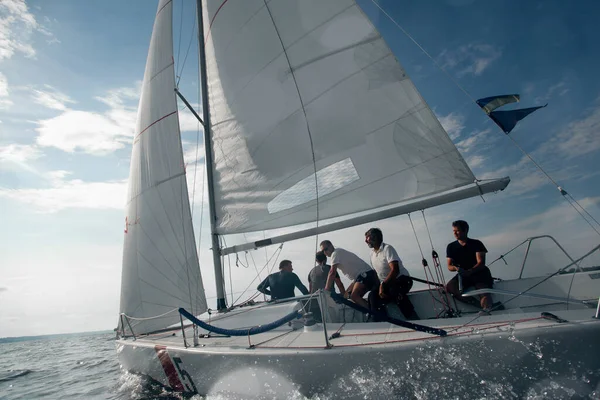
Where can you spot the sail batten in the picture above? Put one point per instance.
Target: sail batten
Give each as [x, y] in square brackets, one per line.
[160, 262]
[298, 86]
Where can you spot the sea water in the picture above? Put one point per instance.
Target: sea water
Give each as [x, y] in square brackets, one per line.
[85, 366]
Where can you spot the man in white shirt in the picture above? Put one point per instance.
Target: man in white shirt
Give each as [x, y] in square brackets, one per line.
[363, 277]
[395, 279]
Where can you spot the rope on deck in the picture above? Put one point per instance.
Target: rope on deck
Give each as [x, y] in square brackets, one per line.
[384, 317]
[255, 330]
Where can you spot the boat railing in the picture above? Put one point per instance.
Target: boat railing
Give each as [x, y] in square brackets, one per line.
[529, 241]
[257, 329]
[124, 318]
[127, 319]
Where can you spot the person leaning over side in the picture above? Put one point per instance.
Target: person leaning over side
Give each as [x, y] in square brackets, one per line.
[363, 277]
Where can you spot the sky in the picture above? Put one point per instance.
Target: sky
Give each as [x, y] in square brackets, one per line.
[70, 75]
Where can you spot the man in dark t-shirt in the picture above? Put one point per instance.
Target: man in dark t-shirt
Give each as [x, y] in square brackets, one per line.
[467, 257]
[282, 283]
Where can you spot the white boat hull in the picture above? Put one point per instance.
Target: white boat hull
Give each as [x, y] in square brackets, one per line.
[505, 360]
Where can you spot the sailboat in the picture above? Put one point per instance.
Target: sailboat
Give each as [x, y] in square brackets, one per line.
[310, 121]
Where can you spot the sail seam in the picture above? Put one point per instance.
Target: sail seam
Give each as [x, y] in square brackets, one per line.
[156, 74]
[158, 120]
[213, 20]
[406, 114]
[300, 109]
[155, 185]
[277, 56]
[299, 170]
[162, 290]
[166, 4]
[336, 51]
[162, 254]
[162, 203]
[159, 270]
[307, 104]
[161, 227]
[291, 71]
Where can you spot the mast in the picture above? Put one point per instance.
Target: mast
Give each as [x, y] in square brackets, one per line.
[209, 164]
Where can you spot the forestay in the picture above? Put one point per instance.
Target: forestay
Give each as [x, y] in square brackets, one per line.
[160, 263]
[302, 85]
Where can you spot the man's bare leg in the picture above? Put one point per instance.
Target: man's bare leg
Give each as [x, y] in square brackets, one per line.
[358, 291]
[486, 301]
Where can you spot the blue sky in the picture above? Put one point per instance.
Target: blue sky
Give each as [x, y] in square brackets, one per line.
[70, 73]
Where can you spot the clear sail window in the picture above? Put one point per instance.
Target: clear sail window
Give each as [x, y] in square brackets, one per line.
[331, 178]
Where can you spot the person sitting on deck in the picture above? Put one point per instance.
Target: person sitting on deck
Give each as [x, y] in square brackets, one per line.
[317, 277]
[282, 283]
[395, 279]
[467, 257]
[363, 277]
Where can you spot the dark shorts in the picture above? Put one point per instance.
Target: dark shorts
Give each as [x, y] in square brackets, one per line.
[481, 279]
[369, 279]
[398, 287]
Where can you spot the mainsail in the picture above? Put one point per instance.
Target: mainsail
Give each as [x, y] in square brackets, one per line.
[299, 88]
[160, 263]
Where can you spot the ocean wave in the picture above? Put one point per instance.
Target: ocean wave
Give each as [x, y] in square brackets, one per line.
[13, 374]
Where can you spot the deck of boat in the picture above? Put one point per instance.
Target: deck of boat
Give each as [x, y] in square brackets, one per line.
[295, 336]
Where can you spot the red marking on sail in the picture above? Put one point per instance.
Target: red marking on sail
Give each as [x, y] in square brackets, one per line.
[158, 120]
[213, 20]
[169, 368]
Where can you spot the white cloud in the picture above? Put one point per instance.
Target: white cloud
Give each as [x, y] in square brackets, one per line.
[559, 89]
[524, 177]
[86, 131]
[74, 193]
[94, 132]
[90, 132]
[475, 161]
[472, 141]
[17, 26]
[578, 138]
[120, 97]
[5, 102]
[552, 221]
[453, 123]
[528, 88]
[19, 153]
[470, 59]
[188, 122]
[51, 98]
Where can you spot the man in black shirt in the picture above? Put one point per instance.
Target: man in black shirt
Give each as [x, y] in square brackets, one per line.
[282, 283]
[467, 257]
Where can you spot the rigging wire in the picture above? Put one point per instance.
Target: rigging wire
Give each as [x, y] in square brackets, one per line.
[276, 252]
[575, 262]
[424, 263]
[312, 147]
[188, 48]
[438, 268]
[179, 38]
[459, 86]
